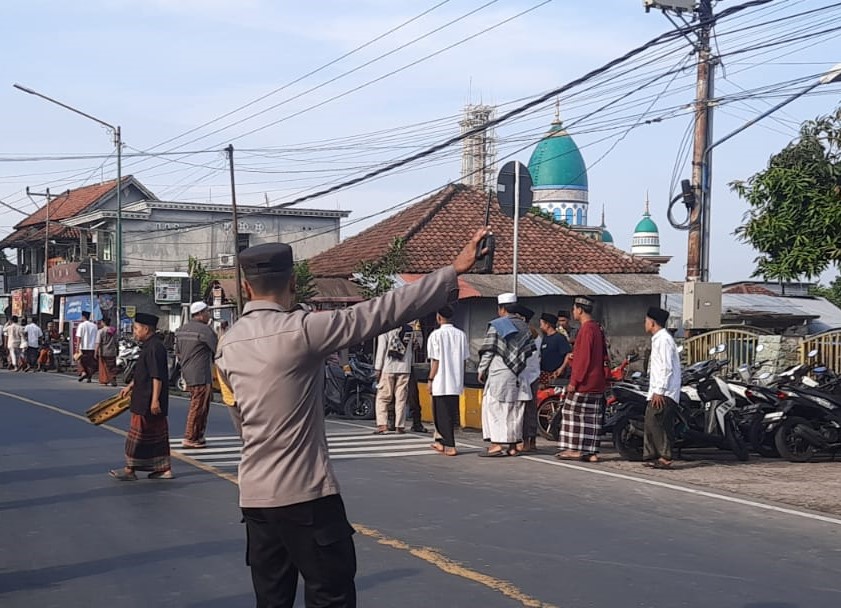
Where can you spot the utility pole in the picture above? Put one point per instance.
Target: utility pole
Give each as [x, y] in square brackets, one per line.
[235, 228]
[118, 141]
[697, 254]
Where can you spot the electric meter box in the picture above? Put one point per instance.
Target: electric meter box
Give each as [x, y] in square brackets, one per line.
[673, 5]
[701, 305]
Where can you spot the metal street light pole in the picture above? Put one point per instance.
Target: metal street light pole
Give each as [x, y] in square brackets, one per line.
[832, 76]
[119, 143]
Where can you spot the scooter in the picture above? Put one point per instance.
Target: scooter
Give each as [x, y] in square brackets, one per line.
[350, 391]
[808, 421]
[127, 356]
[707, 422]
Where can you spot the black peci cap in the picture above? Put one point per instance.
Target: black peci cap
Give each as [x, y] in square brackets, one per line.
[144, 318]
[658, 315]
[266, 259]
[549, 318]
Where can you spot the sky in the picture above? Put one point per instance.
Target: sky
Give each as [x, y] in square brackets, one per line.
[313, 98]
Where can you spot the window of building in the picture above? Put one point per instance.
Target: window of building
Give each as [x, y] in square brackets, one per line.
[557, 215]
[243, 242]
[579, 217]
[105, 245]
[569, 216]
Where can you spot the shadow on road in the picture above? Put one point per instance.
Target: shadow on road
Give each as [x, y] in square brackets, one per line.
[19, 580]
[770, 605]
[119, 489]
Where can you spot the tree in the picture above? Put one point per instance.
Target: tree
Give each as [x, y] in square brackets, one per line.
[199, 273]
[305, 289]
[831, 293]
[377, 278]
[548, 215]
[794, 220]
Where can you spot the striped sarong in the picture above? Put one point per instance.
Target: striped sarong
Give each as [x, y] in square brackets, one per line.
[147, 444]
[581, 423]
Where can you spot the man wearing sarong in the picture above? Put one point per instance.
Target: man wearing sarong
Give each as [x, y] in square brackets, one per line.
[195, 345]
[502, 357]
[147, 443]
[86, 334]
[581, 423]
[663, 391]
[107, 347]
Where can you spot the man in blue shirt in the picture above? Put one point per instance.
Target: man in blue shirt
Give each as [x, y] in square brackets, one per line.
[553, 350]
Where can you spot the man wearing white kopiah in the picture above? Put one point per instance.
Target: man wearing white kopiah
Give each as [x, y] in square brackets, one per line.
[502, 357]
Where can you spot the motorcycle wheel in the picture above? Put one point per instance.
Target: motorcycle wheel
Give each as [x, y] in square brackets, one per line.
[360, 407]
[545, 412]
[626, 440]
[734, 441]
[761, 441]
[792, 447]
[181, 384]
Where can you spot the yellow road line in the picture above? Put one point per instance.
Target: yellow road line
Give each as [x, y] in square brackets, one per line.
[427, 554]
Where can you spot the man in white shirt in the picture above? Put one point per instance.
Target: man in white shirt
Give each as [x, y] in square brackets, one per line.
[86, 334]
[663, 392]
[10, 335]
[33, 335]
[447, 350]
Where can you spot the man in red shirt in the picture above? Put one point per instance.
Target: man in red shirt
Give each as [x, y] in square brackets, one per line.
[581, 425]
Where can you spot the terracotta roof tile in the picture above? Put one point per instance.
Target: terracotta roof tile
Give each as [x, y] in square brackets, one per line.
[71, 203]
[436, 228]
[748, 288]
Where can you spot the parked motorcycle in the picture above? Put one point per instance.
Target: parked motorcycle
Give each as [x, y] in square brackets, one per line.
[127, 355]
[350, 391]
[807, 421]
[706, 421]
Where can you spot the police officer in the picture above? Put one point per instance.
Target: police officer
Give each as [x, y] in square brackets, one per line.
[272, 358]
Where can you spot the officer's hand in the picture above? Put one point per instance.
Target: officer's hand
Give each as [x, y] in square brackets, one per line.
[156, 408]
[467, 258]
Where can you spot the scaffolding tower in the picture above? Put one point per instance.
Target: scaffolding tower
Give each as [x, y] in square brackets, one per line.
[478, 157]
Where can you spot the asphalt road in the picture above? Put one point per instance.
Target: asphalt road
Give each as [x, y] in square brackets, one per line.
[433, 531]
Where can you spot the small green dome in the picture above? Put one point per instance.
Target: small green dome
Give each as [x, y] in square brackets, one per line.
[607, 237]
[646, 224]
[557, 161]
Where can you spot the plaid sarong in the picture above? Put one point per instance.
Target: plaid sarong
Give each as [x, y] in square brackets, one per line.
[147, 444]
[581, 424]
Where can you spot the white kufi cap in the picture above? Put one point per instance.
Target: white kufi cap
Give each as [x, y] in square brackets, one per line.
[197, 307]
[506, 298]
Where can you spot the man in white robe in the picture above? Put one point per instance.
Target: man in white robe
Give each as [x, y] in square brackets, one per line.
[503, 357]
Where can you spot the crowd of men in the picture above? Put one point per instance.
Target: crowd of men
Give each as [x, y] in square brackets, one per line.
[515, 361]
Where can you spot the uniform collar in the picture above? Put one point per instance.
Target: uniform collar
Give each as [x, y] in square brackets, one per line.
[255, 305]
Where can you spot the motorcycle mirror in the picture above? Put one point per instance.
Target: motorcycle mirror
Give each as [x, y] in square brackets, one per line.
[760, 348]
[813, 353]
[680, 348]
[711, 351]
[636, 375]
[820, 370]
[720, 348]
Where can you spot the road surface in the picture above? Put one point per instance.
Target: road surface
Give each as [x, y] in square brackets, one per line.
[432, 531]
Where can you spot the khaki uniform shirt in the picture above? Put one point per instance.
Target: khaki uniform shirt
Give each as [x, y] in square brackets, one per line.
[274, 362]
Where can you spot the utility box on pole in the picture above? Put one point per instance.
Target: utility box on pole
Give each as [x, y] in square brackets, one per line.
[701, 305]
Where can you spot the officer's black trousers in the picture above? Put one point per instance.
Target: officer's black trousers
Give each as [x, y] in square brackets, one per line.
[312, 538]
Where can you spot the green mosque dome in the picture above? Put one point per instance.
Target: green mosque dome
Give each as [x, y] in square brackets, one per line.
[557, 162]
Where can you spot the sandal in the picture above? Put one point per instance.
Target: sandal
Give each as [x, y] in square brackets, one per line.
[494, 454]
[437, 447]
[513, 452]
[564, 456]
[161, 475]
[380, 431]
[122, 475]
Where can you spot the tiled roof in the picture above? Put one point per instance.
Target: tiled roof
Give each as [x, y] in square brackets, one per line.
[748, 288]
[36, 234]
[72, 203]
[436, 228]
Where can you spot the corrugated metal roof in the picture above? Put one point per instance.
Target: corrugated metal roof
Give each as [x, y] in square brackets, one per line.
[598, 285]
[827, 315]
[540, 285]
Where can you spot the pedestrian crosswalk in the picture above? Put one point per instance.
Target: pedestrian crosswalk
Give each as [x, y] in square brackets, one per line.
[224, 452]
